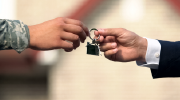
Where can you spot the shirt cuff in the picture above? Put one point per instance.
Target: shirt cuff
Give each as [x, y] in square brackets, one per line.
[152, 54]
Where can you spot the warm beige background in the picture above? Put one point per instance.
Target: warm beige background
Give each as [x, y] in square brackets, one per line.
[78, 76]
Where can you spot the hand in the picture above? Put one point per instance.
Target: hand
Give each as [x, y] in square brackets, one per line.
[59, 33]
[122, 45]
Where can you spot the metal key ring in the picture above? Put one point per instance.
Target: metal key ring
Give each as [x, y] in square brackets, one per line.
[95, 30]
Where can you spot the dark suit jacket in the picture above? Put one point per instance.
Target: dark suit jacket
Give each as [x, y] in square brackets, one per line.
[169, 64]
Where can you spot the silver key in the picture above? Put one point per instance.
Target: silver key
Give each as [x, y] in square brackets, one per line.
[93, 48]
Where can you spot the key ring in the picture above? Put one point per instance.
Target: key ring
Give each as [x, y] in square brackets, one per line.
[90, 36]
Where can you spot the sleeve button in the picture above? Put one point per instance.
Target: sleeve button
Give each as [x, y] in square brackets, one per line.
[157, 55]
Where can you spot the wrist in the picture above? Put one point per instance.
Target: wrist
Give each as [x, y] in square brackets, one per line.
[142, 49]
[32, 30]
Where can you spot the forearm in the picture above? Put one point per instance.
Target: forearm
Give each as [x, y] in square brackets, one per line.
[13, 35]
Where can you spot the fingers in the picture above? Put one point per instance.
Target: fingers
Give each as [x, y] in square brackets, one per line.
[111, 32]
[109, 39]
[78, 23]
[104, 39]
[76, 30]
[66, 45]
[68, 50]
[96, 33]
[110, 53]
[101, 39]
[71, 37]
[108, 46]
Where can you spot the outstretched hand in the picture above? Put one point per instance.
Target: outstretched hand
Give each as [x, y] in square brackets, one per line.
[122, 45]
[59, 33]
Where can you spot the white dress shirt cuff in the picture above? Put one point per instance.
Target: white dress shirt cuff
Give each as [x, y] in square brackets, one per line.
[152, 54]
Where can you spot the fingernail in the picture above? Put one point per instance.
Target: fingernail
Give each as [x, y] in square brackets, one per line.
[115, 50]
[113, 45]
[101, 30]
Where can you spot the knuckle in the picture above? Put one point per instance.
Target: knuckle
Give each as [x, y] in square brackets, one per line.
[106, 55]
[56, 44]
[75, 37]
[62, 25]
[79, 29]
[60, 18]
[101, 49]
[70, 46]
[79, 23]
[59, 22]
[122, 29]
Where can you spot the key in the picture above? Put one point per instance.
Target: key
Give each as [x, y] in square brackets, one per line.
[93, 48]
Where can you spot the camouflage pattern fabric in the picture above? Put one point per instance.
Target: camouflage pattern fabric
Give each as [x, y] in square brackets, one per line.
[13, 35]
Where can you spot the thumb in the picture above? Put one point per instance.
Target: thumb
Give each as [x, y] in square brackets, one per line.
[111, 32]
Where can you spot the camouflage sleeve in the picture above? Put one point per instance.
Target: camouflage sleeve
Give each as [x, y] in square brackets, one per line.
[13, 35]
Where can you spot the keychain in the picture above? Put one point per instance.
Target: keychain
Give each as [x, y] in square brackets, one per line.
[93, 48]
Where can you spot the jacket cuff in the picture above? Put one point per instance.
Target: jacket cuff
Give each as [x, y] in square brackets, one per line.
[19, 34]
[169, 60]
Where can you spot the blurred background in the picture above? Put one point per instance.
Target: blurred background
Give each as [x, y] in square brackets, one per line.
[56, 75]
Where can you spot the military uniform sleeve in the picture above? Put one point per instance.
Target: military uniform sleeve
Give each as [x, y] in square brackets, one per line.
[13, 35]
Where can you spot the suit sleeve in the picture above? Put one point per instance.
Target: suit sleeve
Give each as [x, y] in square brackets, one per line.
[169, 63]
